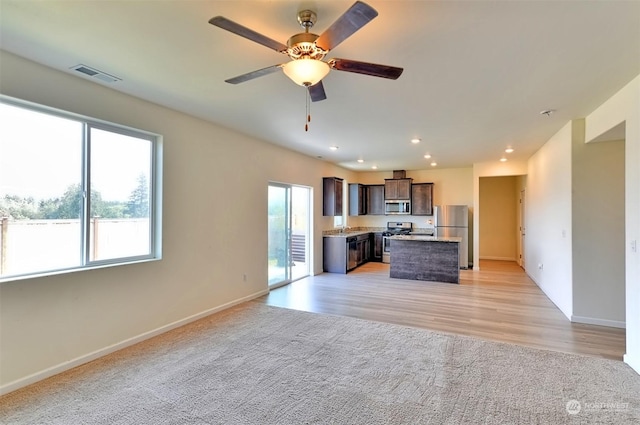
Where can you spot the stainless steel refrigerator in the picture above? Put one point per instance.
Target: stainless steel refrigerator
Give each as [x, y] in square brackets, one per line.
[453, 221]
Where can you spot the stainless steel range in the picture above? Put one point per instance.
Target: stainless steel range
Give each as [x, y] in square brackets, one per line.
[393, 228]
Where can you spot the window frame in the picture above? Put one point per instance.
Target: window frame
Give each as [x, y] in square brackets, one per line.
[155, 190]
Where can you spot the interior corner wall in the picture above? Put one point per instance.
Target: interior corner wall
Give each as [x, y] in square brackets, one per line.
[548, 248]
[498, 218]
[624, 106]
[50, 324]
[598, 230]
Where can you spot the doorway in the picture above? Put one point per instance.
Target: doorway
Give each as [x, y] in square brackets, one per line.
[289, 225]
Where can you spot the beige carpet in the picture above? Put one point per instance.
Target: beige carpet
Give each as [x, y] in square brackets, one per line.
[256, 364]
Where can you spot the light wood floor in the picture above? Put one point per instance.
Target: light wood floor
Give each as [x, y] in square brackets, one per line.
[499, 302]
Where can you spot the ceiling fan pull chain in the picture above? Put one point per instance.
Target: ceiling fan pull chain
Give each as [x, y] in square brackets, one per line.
[307, 109]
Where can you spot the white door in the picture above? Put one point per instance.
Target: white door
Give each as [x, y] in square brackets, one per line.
[521, 228]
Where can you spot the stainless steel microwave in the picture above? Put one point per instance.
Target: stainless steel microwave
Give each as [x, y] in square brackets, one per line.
[392, 207]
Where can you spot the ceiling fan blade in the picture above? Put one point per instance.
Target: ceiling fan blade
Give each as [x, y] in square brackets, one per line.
[316, 92]
[366, 68]
[351, 21]
[226, 24]
[254, 74]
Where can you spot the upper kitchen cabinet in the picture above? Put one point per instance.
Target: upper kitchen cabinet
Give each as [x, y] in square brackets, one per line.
[375, 199]
[332, 196]
[422, 199]
[357, 199]
[397, 189]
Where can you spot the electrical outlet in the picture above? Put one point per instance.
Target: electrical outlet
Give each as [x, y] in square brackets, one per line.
[540, 266]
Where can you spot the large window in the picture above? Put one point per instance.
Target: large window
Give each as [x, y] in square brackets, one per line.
[74, 192]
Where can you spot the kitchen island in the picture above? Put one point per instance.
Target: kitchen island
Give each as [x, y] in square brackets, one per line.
[425, 258]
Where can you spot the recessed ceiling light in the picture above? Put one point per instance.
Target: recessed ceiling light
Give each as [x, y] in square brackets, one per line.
[333, 148]
[427, 156]
[433, 164]
[508, 150]
[415, 141]
[503, 159]
[361, 161]
[375, 167]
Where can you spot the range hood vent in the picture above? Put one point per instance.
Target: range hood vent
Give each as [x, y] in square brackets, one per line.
[94, 73]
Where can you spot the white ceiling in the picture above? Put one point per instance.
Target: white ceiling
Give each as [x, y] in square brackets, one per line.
[476, 73]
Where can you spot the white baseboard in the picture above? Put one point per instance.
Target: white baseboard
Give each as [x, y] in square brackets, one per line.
[489, 257]
[54, 370]
[634, 362]
[599, 322]
[566, 313]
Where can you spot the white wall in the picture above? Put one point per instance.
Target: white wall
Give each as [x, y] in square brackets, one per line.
[624, 106]
[548, 255]
[598, 231]
[51, 323]
[551, 218]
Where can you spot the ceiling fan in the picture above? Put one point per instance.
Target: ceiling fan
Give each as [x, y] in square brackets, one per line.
[307, 50]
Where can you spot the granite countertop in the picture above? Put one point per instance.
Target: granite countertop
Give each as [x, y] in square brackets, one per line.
[347, 234]
[336, 233]
[351, 232]
[426, 238]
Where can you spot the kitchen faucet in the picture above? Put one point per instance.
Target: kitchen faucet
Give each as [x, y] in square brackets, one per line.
[343, 228]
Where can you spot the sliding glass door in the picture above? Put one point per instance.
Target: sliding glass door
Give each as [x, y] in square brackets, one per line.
[289, 224]
[300, 231]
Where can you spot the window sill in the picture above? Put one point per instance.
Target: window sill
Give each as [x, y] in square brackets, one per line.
[38, 275]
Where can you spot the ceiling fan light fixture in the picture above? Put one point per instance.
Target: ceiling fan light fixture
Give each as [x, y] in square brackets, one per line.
[306, 72]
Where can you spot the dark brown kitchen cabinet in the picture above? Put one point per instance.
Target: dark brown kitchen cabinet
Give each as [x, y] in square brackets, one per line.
[376, 248]
[357, 199]
[397, 189]
[422, 199]
[375, 199]
[332, 196]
